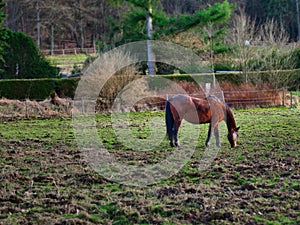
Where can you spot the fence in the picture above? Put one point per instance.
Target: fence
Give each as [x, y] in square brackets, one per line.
[26, 109]
[235, 99]
[69, 51]
[63, 107]
[243, 99]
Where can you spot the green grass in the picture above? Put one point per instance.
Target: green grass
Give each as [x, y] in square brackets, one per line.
[65, 59]
[297, 93]
[45, 178]
[68, 62]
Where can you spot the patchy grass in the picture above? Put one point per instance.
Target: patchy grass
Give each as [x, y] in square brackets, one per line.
[45, 180]
[67, 62]
[65, 59]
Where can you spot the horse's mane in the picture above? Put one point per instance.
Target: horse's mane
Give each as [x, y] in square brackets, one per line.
[229, 114]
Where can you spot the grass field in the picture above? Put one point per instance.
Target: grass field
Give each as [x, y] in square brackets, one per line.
[67, 62]
[45, 180]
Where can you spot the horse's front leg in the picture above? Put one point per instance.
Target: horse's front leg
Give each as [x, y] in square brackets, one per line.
[216, 133]
[207, 143]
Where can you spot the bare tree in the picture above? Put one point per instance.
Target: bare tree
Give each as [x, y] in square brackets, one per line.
[275, 54]
[52, 22]
[261, 48]
[25, 15]
[242, 36]
[13, 11]
[21, 15]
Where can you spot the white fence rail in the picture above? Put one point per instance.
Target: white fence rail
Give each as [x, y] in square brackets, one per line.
[69, 51]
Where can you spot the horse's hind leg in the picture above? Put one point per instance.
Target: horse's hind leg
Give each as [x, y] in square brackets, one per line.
[170, 132]
[170, 136]
[176, 128]
[176, 137]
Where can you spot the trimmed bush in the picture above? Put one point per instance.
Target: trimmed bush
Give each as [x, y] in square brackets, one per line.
[235, 78]
[37, 89]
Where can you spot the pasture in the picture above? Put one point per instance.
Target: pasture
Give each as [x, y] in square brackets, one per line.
[45, 180]
[67, 62]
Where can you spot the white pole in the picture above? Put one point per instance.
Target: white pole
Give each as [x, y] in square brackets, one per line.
[151, 70]
[38, 24]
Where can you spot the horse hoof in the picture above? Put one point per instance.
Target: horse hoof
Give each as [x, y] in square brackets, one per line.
[177, 145]
[172, 145]
[207, 144]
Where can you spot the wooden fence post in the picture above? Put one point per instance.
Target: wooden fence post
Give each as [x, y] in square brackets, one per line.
[26, 109]
[283, 97]
[291, 99]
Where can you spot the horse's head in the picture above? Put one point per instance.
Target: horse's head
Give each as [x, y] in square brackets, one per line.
[233, 136]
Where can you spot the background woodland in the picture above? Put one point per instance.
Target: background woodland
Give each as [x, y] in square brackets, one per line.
[229, 35]
[83, 23]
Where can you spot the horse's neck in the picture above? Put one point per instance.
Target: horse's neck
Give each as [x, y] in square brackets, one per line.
[230, 119]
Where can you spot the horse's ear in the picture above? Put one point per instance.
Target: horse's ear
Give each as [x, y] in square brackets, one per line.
[237, 129]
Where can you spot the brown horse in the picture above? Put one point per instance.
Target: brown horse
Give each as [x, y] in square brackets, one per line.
[199, 111]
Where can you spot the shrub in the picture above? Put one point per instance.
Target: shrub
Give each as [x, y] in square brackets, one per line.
[296, 57]
[222, 65]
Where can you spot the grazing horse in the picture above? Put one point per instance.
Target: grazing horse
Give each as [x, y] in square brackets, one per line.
[199, 111]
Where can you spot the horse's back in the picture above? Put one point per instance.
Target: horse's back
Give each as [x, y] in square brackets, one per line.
[178, 105]
[180, 102]
[193, 110]
[181, 98]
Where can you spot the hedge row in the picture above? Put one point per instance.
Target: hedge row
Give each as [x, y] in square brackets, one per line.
[238, 78]
[39, 89]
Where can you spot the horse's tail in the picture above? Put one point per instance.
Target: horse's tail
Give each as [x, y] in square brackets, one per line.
[169, 120]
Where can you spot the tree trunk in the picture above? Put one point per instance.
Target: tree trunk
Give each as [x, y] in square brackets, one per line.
[298, 20]
[38, 25]
[52, 40]
[151, 64]
[81, 34]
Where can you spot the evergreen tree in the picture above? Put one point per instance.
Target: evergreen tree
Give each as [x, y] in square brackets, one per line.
[22, 59]
[133, 24]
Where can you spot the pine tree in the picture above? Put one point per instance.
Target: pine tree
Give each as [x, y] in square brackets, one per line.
[146, 20]
[133, 24]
